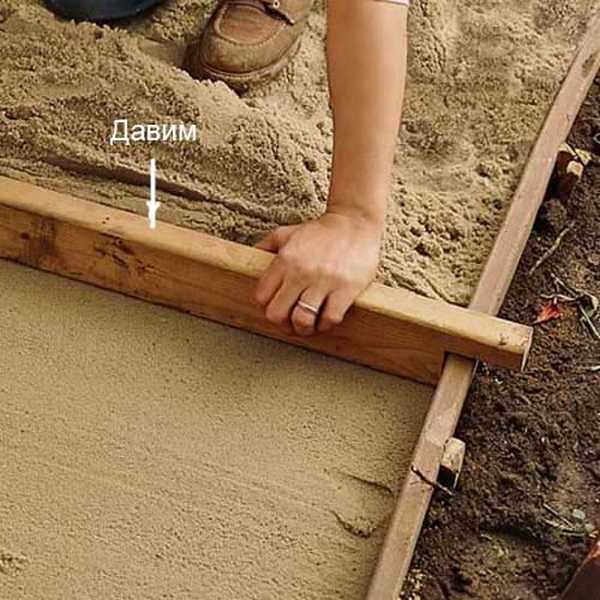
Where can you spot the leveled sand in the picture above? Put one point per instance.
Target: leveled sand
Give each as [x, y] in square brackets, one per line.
[482, 76]
[146, 455]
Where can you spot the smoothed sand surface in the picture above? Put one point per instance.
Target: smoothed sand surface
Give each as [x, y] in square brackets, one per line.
[146, 454]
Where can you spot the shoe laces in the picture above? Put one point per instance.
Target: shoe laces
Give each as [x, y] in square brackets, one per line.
[271, 6]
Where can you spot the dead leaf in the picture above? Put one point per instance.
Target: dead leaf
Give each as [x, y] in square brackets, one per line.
[549, 311]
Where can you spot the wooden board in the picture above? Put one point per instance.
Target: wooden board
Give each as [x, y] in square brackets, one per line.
[585, 584]
[440, 424]
[389, 329]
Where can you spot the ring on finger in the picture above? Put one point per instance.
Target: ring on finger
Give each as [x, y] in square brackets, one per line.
[308, 307]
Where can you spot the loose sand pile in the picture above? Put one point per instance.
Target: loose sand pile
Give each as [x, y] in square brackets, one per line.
[147, 455]
[482, 75]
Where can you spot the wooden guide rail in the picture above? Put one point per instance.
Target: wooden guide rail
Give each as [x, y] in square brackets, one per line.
[451, 391]
[393, 330]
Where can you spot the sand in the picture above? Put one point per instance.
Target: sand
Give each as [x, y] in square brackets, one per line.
[146, 454]
[482, 76]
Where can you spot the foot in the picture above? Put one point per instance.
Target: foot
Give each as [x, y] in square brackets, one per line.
[246, 41]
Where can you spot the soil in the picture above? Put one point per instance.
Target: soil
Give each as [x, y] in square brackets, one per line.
[533, 439]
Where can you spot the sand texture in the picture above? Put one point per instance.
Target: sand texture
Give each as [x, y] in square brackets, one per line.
[482, 76]
[145, 454]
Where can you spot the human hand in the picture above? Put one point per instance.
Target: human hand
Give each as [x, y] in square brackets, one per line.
[323, 264]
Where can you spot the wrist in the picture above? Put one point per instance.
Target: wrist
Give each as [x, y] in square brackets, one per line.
[368, 207]
[361, 198]
[365, 218]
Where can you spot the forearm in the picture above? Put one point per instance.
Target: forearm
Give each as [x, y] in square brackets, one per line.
[366, 49]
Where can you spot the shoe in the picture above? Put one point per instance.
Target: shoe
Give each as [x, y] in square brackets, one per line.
[99, 10]
[246, 41]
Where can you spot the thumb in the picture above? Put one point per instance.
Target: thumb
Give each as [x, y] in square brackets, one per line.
[276, 239]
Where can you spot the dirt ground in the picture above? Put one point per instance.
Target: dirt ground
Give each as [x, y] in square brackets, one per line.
[533, 439]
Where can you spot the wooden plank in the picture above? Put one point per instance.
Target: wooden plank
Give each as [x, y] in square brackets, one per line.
[415, 496]
[585, 584]
[389, 329]
[452, 462]
[440, 424]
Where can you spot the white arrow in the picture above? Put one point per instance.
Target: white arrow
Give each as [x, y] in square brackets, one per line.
[153, 205]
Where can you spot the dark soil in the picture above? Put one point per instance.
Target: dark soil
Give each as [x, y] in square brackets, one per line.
[533, 439]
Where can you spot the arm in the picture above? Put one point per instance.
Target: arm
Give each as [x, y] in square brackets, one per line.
[328, 262]
[367, 57]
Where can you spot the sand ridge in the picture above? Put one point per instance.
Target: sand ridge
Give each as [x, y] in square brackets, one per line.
[149, 454]
[482, 76]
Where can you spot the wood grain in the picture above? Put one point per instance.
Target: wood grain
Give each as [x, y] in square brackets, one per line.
[440, 424]
[393, 330]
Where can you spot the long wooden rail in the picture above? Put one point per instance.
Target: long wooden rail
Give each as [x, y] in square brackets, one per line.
[389, 329]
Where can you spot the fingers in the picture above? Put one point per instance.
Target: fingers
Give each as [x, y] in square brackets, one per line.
[313, 265]
[269, 283]
[334, 311]
[276, 239]
[278, 294]
[304, 320]
[280, 308]
[279, 297]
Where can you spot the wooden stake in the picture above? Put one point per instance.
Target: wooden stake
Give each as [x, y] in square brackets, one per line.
[451, 463]
[569, 168]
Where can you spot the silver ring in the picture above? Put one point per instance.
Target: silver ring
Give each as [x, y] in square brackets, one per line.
[309, 307]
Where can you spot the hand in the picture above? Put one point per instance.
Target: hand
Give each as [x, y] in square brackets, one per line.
[325, 264]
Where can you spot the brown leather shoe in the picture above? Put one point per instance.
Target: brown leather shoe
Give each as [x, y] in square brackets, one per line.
[246, 41]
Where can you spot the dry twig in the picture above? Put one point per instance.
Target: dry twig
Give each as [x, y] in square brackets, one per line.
[587, 304]
[434, 484]
[552, 248]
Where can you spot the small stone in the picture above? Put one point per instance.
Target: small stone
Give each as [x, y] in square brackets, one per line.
[589, 528]
[579, 515]
[429, 248]
[311, 164]
[518, 419]
[417, 229]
